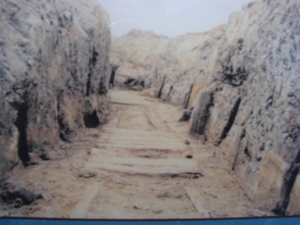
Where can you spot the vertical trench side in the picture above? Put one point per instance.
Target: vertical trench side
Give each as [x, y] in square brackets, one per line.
[161, 88]
[230, 121]
[288, 183]
[62, 50]
[21, 123]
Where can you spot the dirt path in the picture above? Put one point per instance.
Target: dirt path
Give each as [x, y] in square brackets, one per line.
[136, 166]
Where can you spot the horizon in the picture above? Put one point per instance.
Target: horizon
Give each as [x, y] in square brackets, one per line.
[169, 18]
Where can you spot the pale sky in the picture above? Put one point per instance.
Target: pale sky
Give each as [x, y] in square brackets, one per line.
[169, 17]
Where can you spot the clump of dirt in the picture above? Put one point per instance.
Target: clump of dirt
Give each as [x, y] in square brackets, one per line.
[16, 198]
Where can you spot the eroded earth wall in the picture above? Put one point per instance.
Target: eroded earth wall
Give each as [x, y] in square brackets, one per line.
[54, 69]
[254, 109]
[243, 80]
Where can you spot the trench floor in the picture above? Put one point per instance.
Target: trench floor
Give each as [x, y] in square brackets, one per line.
[142, 164]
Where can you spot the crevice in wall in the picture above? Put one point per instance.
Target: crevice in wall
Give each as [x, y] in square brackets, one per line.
[112, 75]
[247, 153]
[142, 83]
[242, 136]
[230, 121]
[92, 64]
[93, 60]
[234, 78]
[63, 129]
[286, 189]
[88, 84]
[188, 96]
[170, 91]
[91, 120]
[21, 123]
[161, 88]
[169, 96]
[102, 87]
[129, 80]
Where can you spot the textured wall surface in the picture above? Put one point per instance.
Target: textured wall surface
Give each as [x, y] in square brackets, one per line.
[54, 69]
[255, 112]
[243, 80]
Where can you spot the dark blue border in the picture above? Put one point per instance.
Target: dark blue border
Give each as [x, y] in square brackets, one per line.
[273, 221]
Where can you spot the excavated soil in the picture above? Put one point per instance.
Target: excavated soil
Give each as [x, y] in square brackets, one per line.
[142, 164]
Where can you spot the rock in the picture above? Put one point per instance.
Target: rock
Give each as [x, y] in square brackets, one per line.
[189, 156]
[18, 203]
[19, 197]
[87, 174]
[187, 142]
[134, 84]
[54, 59]
[186, 116]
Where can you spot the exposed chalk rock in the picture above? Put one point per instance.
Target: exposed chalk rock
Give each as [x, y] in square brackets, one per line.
[177, 68]
[256, 111]
[243, 80]
[54, 69]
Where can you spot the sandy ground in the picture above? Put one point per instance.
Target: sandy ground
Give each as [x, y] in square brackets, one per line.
[137, 166]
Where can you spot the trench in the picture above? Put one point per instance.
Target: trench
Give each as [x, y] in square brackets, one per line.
[136, 160]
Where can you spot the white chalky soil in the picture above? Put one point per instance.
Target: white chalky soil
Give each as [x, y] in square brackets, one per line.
[135, 167]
